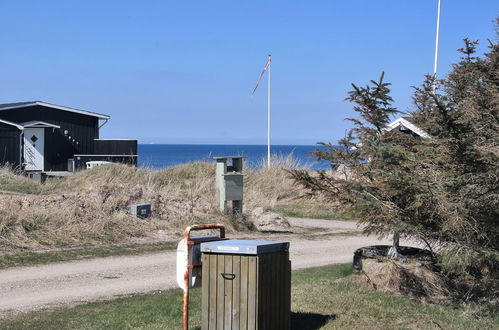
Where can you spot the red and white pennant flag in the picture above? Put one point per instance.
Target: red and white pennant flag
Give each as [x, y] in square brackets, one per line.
[263, 72]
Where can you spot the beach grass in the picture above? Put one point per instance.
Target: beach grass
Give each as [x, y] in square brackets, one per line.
[322, 298]
[92, 207]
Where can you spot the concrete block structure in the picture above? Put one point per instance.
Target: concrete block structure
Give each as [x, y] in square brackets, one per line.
[230, 183]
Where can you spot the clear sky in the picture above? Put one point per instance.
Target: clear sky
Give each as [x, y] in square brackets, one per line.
[183, 71]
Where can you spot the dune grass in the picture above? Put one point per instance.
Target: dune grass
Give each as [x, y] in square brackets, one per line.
[91, 208]
[322, 298]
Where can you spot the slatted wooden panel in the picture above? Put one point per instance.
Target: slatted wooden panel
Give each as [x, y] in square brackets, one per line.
[258, 296]
[275, 291]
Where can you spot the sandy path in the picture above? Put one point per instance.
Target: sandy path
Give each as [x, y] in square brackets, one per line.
[31, 288]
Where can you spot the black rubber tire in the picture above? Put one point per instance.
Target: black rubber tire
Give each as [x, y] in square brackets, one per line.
[381, 251]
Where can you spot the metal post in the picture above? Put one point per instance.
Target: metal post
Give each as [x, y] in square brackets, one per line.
[436, 49]
[268, 114]
[187, 239]
[185, 317]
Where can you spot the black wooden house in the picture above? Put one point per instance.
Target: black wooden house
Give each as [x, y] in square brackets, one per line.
[44, 137]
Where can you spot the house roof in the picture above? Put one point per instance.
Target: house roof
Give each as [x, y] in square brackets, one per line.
[9, 106]
[11, 124]
[404, 124]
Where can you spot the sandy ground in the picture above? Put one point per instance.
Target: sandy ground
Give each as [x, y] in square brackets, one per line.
[320, 242]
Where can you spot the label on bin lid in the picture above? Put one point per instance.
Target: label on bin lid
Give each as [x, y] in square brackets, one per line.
[244, 247]
[228, 248]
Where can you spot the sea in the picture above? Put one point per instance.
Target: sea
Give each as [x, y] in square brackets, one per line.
[158, 156]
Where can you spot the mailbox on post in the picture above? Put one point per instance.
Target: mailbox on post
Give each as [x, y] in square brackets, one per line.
[189, 261]
[229, 180]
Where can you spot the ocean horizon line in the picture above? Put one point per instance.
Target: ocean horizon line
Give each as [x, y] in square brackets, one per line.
[227, 144]
[162, 155]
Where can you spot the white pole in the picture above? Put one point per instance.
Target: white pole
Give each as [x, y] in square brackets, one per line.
[268, 115]
[436, 48]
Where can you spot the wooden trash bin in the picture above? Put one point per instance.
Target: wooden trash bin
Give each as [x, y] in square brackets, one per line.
[246, 285]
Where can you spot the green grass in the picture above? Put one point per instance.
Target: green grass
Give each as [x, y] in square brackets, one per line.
[312, 210]
[319, 300]
[38, 258]
[11, 183]
[20, 187]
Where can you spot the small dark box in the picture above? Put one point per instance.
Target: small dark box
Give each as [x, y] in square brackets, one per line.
[39, 177]
[141, 211]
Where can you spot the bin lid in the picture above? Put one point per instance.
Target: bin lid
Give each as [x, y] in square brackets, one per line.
[236, 246]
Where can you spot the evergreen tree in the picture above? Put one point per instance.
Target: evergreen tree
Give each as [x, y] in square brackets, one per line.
[443, 190]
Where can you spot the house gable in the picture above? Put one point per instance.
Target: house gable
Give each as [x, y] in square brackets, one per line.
[405, 125]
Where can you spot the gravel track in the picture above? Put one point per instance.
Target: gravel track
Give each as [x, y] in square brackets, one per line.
[25, 289]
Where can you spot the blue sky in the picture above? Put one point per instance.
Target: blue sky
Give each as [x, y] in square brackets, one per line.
[183, 71]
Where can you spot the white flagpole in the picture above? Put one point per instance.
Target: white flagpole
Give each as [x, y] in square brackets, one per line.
[268, 114]
[436, 48]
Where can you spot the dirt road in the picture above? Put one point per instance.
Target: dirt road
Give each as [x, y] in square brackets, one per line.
[319, 242]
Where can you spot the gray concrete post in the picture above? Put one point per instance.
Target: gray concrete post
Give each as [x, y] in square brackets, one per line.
[229, 183]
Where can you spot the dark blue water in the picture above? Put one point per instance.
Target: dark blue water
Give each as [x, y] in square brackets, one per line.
[157, 156]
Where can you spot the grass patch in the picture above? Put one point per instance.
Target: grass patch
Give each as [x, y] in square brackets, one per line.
[314, 210]
[319, 300]
[38, 258]
[159, 310]
[16, 184]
